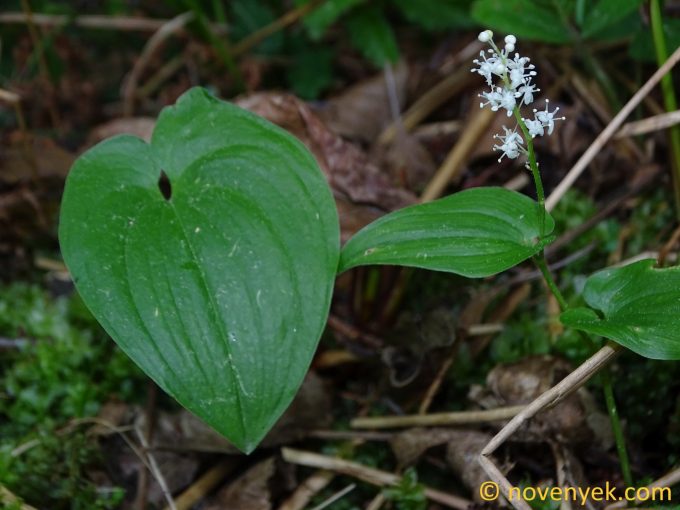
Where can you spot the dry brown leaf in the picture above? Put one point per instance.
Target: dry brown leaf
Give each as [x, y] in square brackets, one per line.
[51, 161]
[523, 381]
[346, 166]
[410, 445]
[362, 111]
[407, 160]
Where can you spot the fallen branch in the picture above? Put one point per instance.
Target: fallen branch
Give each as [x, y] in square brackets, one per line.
[436, 419]
[366, 474]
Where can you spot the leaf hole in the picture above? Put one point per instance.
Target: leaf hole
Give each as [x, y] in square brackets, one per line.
[164, 186]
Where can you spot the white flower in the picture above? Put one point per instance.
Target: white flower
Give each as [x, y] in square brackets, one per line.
[526, 91]
[535, 127]
[520, 70]
[508, 101]
[511, 144]
[487, 66]
[485, 36]
[515, 86]
[547, 118]
[499, 98]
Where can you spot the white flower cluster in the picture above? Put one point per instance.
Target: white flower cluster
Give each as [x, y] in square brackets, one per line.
[514, 90]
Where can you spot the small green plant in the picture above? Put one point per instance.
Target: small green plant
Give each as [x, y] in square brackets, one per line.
[408, 494]
[219, 284]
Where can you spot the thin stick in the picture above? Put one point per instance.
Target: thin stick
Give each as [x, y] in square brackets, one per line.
[130, 87]
[335, 497]
[6, 496]
[666, 481]
[433, 98]
[318, 481]
[454, 161]
[436, 383]
[252, 40]
[122, 23]
[366, 474]
[437, 419]
[608, 132]
[550, 398]
[155, 470]
[649, 125]
[204, 485]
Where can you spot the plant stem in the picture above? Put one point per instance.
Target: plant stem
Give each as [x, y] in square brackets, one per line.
[542, 265]
[616, 427]
[669, 99]
[533, 165]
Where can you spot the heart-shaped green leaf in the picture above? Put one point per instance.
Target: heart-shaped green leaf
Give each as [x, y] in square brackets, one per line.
[637, 306]
[221, 292]
[478, 232]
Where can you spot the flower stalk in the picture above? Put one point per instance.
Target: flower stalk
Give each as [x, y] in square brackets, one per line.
[515, 89]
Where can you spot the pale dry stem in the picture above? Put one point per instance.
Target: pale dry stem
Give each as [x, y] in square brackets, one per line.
[550, 398]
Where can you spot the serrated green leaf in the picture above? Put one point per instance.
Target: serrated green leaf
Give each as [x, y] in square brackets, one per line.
[323, 16]
[437, 14]
[528, 19]
[606, 13]
[476, 233]
[637, 306]
[372, 35]
[219, 293]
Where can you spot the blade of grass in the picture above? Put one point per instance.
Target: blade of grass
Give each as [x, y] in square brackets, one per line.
[669, 99]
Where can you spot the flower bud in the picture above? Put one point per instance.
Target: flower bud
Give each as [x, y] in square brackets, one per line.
[485, 36]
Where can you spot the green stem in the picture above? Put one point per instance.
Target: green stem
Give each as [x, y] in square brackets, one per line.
[616, 426]
[612, 410]
[542, 265]
[669, 99]
[536, 174]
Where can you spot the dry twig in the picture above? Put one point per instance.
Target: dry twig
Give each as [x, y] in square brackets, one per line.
[609, 131]
[550, 398]
[315, 483]
[366, 474]
[155, 41]
[206, 483]
[436, 419]
[122, 23]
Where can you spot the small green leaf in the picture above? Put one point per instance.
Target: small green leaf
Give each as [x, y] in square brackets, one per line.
[637, 306]
[528, 19]
[221, 291]
[372, 35]
[606, 13]
[476, 233]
